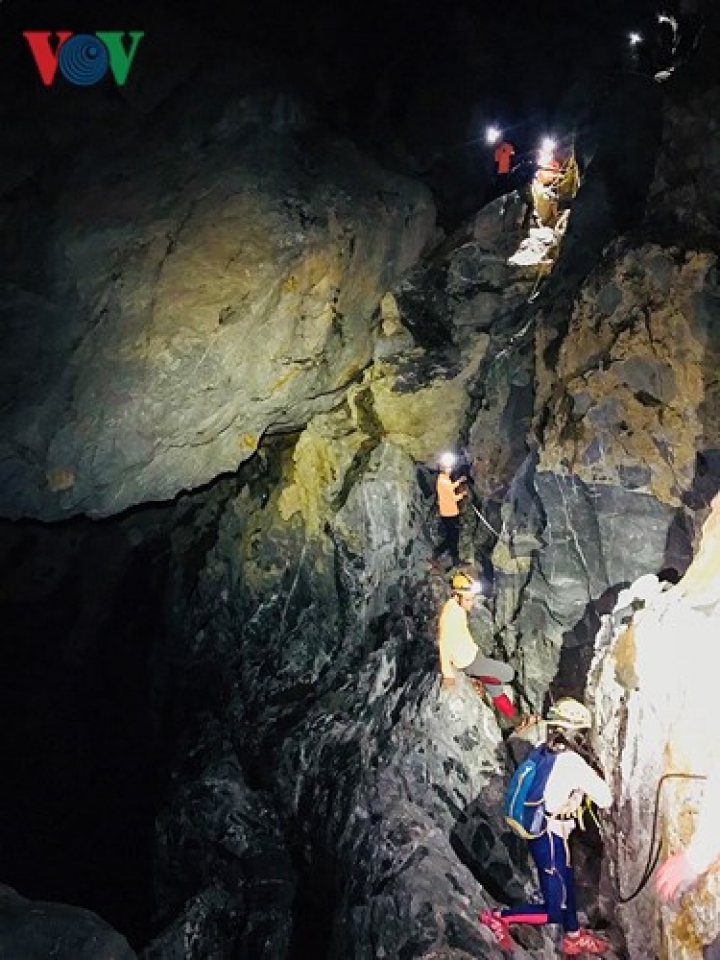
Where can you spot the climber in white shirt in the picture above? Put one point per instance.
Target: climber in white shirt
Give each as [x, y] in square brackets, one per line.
[569, 781]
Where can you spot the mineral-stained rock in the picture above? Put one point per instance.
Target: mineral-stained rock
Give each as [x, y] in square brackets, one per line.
[194, 301]
[630, 388]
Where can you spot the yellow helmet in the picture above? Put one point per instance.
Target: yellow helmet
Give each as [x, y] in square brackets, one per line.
[462, 583]
[569, 714]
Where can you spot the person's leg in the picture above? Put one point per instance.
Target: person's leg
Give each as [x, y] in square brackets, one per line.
[453, 538]
[575, 942]
[493, 673]
[444, 543]
[557, 883]
[535, 913]
[552, 878]
[569, 917]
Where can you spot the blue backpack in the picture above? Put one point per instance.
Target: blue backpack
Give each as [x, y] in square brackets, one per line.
[524, 806]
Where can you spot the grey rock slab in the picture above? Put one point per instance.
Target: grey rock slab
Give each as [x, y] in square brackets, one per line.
[37, 930]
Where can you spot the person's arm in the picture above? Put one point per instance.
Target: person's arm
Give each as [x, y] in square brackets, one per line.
[446, 667]
[591, 783]
[704, 849]
[445, 649]
[682, 870]
[455, 485]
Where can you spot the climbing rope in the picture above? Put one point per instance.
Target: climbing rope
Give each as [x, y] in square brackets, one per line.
[492, 529]
[654, 855]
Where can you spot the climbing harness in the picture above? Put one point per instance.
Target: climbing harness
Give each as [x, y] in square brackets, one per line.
[654, 855]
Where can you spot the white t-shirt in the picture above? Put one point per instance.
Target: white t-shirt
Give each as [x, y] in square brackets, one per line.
[572, 777]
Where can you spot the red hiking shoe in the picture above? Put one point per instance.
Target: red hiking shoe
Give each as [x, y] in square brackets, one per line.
[584, 942]
[499, 929]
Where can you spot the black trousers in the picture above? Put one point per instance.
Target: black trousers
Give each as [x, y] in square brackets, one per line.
[450, 538]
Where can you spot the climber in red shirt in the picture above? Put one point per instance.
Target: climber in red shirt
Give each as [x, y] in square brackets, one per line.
[503, 158]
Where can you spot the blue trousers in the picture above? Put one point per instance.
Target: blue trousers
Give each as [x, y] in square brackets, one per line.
[557, 883]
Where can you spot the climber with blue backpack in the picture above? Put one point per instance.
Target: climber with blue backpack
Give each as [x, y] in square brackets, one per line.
[545, 799]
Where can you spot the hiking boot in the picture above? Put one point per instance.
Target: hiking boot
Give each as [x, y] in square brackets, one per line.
[584, 942]
[499, 928]
[524, 721]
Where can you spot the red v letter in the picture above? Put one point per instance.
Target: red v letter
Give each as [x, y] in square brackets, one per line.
[46, 60]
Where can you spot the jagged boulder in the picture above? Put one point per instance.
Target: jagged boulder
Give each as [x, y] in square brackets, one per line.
[193, 301]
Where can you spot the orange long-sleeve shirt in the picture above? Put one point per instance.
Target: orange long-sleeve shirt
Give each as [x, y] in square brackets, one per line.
[446, 496]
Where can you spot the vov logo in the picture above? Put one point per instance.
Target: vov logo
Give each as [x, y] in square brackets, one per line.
[83, 58]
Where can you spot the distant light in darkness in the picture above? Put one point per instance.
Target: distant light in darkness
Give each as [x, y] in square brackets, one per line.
[492, 134]
[546, 151]
[635, 39]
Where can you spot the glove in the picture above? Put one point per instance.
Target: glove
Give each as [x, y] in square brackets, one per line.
[675, 876]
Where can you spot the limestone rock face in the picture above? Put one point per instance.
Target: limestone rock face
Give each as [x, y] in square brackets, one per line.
[591, 538]
[194, 301]
[421, 400]
[632, 382]
[34, 931]
[657, 713]
[466, 285]
[625, 398]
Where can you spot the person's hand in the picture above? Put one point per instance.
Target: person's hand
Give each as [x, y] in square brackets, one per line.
[448, 683]
[571, 805]
[675, 876]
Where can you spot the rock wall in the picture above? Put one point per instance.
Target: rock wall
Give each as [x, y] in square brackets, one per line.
[624, 394]
[194, 300]
[653, 684]
[304, 658]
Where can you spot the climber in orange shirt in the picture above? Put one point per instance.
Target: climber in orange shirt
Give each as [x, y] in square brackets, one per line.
[448, 498]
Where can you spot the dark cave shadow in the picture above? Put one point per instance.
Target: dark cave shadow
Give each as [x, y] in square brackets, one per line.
[82, 727]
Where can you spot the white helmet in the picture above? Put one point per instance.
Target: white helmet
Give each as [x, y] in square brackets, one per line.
[447, 460]
[569, 714]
